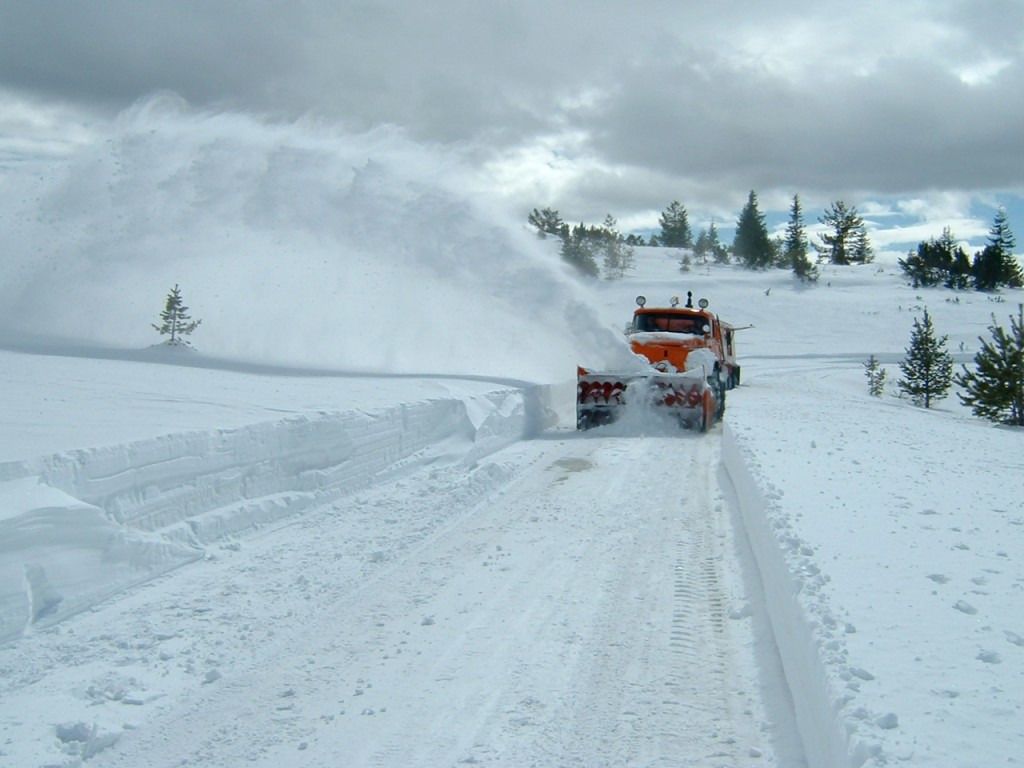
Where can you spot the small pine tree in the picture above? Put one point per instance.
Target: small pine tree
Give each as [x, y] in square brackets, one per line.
[675, 227]
[928, 367]
[175, 320]
[702, 247]
[995, 265]
[995, 389]
[876, 376]
[617, 257]
[1001, 237]
[708, 246]
[795, 245]
[751, 244]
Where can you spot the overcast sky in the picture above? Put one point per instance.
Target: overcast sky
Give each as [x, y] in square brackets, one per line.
[587, 106]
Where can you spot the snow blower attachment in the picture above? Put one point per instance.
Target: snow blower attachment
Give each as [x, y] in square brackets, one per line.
[693, 362]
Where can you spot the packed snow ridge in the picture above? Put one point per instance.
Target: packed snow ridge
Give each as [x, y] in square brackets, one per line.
[80, 526]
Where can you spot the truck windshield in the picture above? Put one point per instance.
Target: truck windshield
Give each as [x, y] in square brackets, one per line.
[671, 323]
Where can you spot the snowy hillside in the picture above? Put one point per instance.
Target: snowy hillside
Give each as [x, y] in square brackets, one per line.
[348, 532]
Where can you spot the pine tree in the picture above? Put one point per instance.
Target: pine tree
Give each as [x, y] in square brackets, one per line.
[958, 266]
[675, 227]
[960, 272]
[1001, 242]
[995, 389]
[928, 367]
[914, 266]
[176, 322]
[1000, 234]
[876, 376]
[794, 245]
[987, 268]
[702, 247]
[708, 244]
[751, 244]
[847, 242]
[718, 251]
[548, 222]
[578, 249]
[618, 258]
[862, 252]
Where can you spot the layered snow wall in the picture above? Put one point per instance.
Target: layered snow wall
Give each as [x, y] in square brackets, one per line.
[80, 526]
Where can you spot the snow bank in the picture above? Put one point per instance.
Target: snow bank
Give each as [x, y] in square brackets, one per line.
[790, 578]
[79, 526]
[887, 538]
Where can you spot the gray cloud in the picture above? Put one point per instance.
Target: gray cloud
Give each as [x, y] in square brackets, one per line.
[637, 103]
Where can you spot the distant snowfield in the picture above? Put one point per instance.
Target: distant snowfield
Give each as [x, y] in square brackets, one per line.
[55, 403]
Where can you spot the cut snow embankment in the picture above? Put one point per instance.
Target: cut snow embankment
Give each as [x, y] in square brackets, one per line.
[890, 565]
[79, 526]
[780, 557]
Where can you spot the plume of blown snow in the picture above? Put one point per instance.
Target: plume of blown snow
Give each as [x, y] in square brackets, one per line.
[294, 243]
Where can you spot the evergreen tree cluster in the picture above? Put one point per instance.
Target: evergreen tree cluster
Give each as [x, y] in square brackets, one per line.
[844, 241]
[708, 246]
[583, 246]
[994, 390]
[943, 262]
[590, 249]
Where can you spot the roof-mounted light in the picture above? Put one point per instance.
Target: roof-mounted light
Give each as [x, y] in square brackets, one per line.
[703, 303]
[641, 300]
[674, 301]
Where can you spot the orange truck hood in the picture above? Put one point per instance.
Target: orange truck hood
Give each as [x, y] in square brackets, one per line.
[659, 347]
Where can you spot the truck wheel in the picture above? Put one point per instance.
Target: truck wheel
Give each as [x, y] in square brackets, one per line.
[707, 411]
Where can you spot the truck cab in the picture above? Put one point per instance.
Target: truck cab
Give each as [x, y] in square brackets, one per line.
[669, 336]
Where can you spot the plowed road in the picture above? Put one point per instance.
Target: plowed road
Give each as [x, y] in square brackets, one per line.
[577, 600]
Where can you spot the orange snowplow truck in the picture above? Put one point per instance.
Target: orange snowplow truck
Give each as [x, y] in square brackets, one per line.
[693, 363]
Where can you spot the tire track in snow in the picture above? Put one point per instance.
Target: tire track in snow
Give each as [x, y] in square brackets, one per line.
[573, 615]
[671, 694]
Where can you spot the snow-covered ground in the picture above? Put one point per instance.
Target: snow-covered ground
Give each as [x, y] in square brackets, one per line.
[327, 570]
[401, 554]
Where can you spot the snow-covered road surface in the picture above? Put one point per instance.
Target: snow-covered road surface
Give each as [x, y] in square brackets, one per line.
[576, 600]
